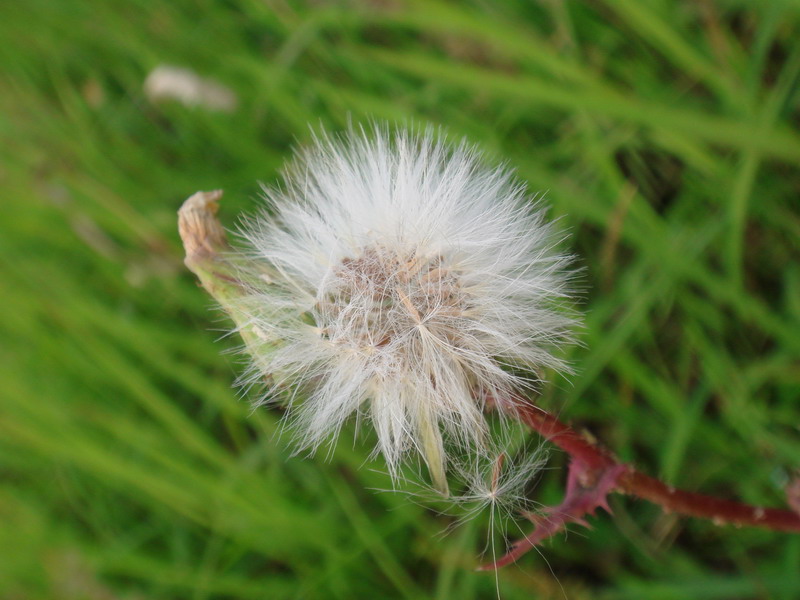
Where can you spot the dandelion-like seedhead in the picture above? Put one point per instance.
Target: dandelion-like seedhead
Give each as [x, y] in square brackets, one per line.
[398, 278]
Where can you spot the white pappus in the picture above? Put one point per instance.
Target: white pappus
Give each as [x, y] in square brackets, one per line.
[398, 278]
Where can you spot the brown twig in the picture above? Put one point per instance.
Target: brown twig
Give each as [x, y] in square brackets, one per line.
[648, 488]
[594, 473]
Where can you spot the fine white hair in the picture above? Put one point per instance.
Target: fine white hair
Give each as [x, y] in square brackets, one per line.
[396, 277]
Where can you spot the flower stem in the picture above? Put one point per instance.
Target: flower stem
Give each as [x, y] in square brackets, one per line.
[631, 482]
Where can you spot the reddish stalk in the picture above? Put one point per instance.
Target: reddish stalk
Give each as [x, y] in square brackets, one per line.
[648, 488]
[594, 473]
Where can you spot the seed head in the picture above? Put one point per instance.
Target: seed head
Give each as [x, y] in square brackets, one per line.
[398, 278]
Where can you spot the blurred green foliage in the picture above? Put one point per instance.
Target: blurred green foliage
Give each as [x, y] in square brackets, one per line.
[665, 134]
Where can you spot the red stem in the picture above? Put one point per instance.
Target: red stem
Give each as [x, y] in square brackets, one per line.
[637, 484]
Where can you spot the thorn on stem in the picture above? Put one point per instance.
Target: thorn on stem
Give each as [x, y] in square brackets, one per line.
[587, 490]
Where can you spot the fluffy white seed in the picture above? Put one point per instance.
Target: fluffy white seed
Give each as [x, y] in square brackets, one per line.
[398, 278]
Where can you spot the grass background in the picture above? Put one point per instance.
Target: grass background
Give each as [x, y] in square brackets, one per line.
[665, 132]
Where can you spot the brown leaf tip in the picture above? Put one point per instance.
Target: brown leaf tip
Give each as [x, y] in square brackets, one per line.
[200, 230]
